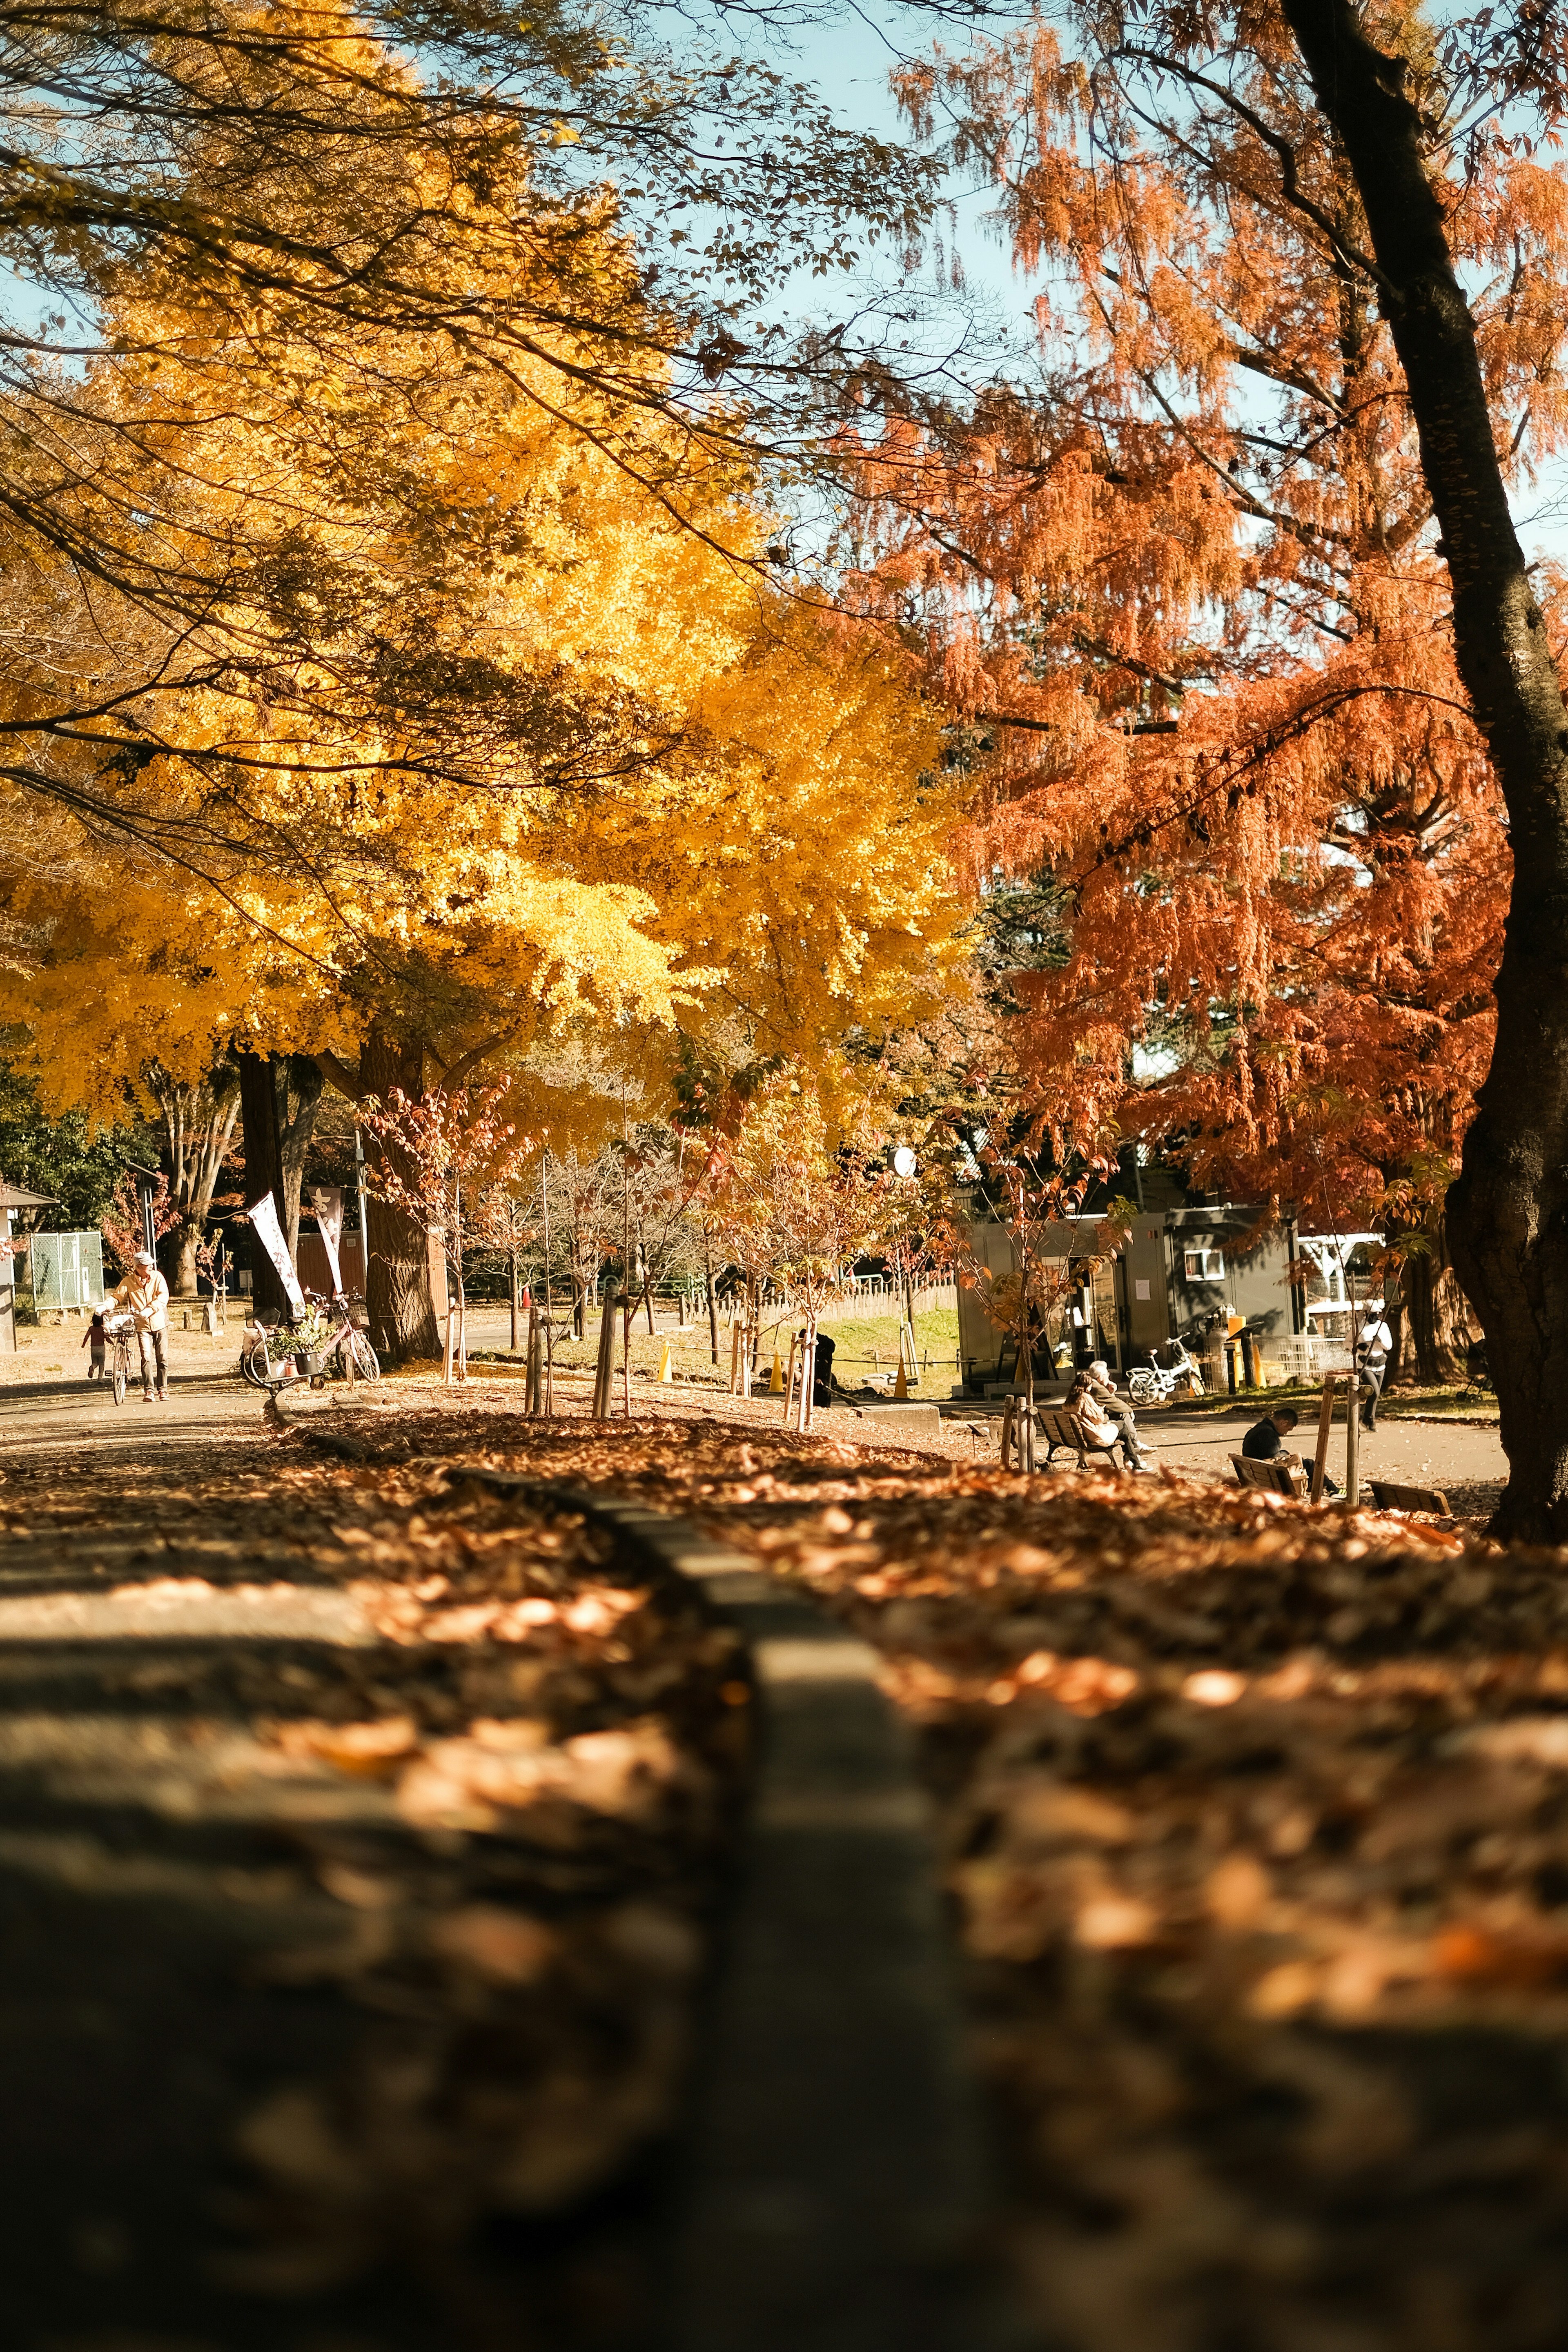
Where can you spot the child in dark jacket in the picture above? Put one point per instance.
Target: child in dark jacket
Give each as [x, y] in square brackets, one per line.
[97, 1339]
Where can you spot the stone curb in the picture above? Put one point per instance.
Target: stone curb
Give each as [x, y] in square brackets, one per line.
[839, 2191]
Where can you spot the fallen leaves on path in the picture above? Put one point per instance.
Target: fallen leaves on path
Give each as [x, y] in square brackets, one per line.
[494, 1820]
[1257, 1817]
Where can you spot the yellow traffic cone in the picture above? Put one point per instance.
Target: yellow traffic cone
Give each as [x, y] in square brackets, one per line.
[901, 1385]
[664, 1360]
[776, 1378]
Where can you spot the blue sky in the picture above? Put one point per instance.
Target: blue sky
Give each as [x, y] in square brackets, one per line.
[848, 57]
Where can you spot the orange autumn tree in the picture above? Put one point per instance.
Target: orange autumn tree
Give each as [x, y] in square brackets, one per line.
[1194, 604]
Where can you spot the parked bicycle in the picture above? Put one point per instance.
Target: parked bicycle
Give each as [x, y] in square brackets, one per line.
[1154, 1383]
[118, 1330]
[325, 1335]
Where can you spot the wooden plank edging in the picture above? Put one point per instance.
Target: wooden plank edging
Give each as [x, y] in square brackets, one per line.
[839, 2188]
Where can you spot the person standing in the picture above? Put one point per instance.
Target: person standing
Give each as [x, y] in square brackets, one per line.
[145, 1296]
[96, 1338]
[822, 1367]
[1373, 1349]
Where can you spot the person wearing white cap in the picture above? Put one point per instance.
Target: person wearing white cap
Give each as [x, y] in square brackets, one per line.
[145, 1294]
[1100, 1385]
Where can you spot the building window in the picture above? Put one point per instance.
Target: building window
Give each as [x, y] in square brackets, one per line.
[1204, 1264]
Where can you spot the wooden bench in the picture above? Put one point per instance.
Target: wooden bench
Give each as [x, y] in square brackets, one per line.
[1391, 1498]
[1061, 1428]
[1272, 1477]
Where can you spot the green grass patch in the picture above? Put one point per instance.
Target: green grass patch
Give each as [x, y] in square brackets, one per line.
[863, 1344]
[1465, 1402]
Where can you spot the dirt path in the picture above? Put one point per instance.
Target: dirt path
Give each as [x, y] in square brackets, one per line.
[353, 1868]
[1412, 1453]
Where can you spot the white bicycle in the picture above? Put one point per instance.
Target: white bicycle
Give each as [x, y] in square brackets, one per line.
[1157, 1383]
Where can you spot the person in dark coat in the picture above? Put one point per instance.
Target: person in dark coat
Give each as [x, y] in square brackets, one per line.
[822, 1377]
[1264, 1442]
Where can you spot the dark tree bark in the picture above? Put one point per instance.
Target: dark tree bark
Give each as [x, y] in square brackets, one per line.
[263, 1167]
[1507, 1212]
[280, 1095]
[1425, 1309]
[406, 1284]
[1439, 1329]
[299, 1082]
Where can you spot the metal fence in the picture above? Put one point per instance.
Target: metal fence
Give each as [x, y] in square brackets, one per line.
[1309, 1355]
[67, 1269]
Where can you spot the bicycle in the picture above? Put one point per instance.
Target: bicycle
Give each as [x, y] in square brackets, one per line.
[1157, 1383]
[263, 1370]
[117, 1332]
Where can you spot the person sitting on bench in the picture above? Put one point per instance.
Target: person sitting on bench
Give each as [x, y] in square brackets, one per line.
[1097, 1383]
[1085, 1402]
[1264, 1442]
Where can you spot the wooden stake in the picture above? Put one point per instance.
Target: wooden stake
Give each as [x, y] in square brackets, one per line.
[549, 1306]
[605, 1371]
[1325, 1422]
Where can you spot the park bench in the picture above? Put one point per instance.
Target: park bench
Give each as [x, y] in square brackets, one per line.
[1061, 1428]
[1391, 1498]
[1272, 1477]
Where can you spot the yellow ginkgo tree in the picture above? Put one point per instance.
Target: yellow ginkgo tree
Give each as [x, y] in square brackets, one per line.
[516, 753]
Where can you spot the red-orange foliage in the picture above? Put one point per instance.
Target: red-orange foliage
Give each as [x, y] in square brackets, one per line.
[1191, 599]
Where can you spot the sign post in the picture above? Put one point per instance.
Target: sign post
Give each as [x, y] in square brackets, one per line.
[1325, 1422]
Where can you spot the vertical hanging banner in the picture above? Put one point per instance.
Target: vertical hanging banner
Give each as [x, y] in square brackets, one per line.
[263, 1215]
[327, 1200]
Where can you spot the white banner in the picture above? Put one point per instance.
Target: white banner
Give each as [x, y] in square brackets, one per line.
[263, 1215]
[327, 1200]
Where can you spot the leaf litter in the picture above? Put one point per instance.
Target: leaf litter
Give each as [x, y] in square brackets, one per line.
[1255, 1818]
[496, 1832]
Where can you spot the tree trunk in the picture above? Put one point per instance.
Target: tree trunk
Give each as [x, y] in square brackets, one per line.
[1507, 1212]
[182, 1281]
[199, 1122]
[712, 1301]
[263, 1167]
[299, 1082]
[280, 1095]
[401, 1289]
[1438, 1323]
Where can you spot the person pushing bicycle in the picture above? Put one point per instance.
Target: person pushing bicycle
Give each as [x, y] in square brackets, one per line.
[145, 1294]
